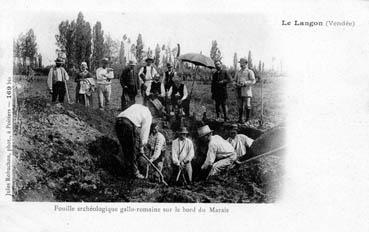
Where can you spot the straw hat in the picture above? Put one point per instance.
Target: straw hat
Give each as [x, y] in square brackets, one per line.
[182, 130]
[205, 130]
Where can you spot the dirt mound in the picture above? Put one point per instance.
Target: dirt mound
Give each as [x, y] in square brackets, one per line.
[69, 153]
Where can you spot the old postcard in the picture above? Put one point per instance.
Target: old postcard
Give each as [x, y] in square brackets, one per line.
[206, 115]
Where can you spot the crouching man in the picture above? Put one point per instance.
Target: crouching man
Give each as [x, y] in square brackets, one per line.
[240, 142]
[132, 128]
[220, 153]
[182, 154]
[156, 147]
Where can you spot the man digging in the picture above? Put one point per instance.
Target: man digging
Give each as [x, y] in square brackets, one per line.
[156, 147]
[220, 153]
[132, 128]
[240, 142]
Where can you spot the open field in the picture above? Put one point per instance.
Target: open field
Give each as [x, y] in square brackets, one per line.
[66, 153]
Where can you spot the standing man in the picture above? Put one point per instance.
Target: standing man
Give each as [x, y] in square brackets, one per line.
[147, 74]
[56, 81]
[244, 80]
[219, 89]
[183, 153]
[240, 142]
[168, 82]
[103, 81]
[156, 147]
[130, 84]
[220, 153]
[132, 128]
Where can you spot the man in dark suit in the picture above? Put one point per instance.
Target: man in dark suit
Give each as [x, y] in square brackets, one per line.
[130, 84]
[219, 88]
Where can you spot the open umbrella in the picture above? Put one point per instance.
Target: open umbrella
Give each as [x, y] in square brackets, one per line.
[197, 59]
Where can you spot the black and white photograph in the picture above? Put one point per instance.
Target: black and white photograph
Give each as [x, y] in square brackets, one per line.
[124, 107]
[204, 115]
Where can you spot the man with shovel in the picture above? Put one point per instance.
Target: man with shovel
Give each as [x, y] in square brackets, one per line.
[156, 147]
[182, 154]
[132, 128]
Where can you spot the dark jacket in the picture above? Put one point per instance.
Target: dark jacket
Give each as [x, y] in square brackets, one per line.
[129, 79]
[219, 84]
[80, 76]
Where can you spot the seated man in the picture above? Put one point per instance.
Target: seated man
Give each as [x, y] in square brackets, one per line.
[182, 154]
[178, 95]
[220, 153]
[156, 147]
[157, 89]
[240, 142]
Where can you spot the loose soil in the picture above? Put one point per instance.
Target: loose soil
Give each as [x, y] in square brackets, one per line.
[69, 153]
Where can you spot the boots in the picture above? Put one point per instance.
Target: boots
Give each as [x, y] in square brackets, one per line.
[248, 114]
[240, 115]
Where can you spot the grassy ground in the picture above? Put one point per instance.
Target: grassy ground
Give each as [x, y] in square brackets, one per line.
[273, 103]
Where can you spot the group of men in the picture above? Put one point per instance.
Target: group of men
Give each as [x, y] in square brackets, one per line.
[135, 129]
[139, 135]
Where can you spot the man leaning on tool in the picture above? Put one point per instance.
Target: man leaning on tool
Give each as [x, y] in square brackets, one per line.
[244, 80]
[56, 81]
[220, 153]
[183, 153]
[104, 75]
[132, 128]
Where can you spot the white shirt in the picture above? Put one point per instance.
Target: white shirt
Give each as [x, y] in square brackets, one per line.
[150, 73]
[157, 144]
[141, 117]
[182, 151]
[103, 76]
[218, 148]
[239, 143]
[58, 72]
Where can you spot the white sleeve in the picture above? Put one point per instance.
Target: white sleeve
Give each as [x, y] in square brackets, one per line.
[252, 77]
[175, 153]
[185, 93]
[170, 91]
[210, 156]
[50, 79]
[162, 90]
[191, 152]
[145, 127]
[111, 75]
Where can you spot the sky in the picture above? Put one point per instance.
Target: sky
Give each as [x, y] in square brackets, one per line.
[193, 31]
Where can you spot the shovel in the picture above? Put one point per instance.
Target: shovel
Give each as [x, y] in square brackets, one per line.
[156, 169]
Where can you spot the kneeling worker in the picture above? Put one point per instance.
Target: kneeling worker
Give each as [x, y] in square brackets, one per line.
[220, 153]
[240, 142]
[132, 128]
[156, 147]
[183, 153]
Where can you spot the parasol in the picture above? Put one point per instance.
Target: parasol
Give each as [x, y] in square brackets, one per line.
[197, 59]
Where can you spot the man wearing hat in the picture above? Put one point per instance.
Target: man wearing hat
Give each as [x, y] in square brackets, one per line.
[220, 153]
[244, 80]
[130, 84]
[240, 142]
[56, 81]
[182, 153]
[104, 75]
[219, 88]
[132, 128]
[147, 74]
[178, 95]
[156, 147]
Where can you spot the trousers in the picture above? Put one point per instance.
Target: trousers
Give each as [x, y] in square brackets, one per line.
[103, 93]
[58, 91]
